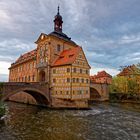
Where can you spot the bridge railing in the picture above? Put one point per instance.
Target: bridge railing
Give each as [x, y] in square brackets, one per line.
[24, 83]
[10, 86]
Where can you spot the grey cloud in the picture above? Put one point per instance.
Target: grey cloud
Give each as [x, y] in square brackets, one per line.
[11, 49]
[114, 54]
[3, 77]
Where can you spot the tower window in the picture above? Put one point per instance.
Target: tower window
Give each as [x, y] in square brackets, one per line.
[29, 78]
[86, 71]
[33, 78]
[46, 59]
[58, 48]
[22, 79]
[25, 79]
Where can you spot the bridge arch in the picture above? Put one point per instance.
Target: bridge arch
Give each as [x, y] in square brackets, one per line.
[94, 93]
[38, 95]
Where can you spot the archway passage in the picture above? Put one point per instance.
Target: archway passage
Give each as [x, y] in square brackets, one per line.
[42, 76]
[94, 94]
[40, 99]
[38, 96]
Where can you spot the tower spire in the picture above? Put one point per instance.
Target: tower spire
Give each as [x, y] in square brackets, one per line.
[58, 10]
[58, 22]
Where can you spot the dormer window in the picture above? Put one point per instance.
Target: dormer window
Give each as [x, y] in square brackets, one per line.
[71, 55]
[61, 57]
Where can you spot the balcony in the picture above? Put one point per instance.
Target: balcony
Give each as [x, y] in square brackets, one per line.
[41, 65]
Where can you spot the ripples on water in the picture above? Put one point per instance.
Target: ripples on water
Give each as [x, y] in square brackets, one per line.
[102, 122]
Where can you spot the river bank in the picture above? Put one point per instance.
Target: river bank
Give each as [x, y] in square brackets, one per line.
[124, 98]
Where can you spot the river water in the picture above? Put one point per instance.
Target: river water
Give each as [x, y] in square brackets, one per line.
[103, 122]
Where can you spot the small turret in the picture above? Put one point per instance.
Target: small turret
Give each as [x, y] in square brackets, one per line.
[58, 22]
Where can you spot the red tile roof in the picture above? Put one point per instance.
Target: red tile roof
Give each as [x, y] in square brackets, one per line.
[103, 74]
[100, 75]
[67, 56]
[26, 56]
[129, 70]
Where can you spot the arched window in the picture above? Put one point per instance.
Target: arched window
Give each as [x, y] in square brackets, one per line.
[22, 79]
[42, 76]
[29, 78]
[33, 78]
[25, 79]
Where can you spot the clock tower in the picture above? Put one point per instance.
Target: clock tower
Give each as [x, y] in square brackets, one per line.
[58, 22]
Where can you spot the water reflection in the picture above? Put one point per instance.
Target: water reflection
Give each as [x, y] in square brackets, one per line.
[103, 122]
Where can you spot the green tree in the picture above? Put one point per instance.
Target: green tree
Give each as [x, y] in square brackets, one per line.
[132, 85]
[119, 85]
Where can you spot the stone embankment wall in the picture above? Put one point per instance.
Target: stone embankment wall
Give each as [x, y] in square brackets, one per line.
[124, 97]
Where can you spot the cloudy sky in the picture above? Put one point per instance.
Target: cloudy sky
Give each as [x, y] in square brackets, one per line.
[108, 30]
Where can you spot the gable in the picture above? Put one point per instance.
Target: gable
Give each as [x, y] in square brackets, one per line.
[81, 59]
[42, 37]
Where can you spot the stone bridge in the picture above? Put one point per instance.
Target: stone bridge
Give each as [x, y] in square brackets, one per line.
[99, 91]
[39, 91]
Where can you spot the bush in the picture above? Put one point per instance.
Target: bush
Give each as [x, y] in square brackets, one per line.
[1, 87]
[114, 97]
[2, 109]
